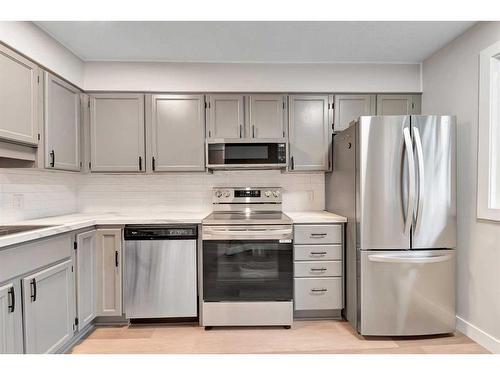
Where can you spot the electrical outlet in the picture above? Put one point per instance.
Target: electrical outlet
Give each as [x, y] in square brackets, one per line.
[18, 201]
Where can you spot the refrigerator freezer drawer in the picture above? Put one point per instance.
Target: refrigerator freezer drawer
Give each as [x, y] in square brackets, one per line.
[317, 269]
[317, 252]
[407, 292]
[318, 293]
[312, 234]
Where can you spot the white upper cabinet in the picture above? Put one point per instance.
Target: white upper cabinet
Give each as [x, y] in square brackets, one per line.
[49, 308]
[62, 124]
[117, 133]
[86, 274]
[11, 331]
[266, 116]
[177, 132]
[226, 117]
[349, 107]
[18, 98]
[309, 132]
[395, 104]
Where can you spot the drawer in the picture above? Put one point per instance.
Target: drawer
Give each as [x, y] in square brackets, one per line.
[318, 293]
[317, 234]
[317, 252]
[317, 269]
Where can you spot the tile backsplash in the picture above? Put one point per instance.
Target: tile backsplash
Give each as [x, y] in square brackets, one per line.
[192, 191]
[28, 194]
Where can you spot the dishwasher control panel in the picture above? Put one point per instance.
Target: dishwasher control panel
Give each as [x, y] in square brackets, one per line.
[134, 233]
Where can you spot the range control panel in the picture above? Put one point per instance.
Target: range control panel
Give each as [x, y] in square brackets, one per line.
[247, 195]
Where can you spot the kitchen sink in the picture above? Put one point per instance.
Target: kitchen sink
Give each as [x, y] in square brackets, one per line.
[11, 229]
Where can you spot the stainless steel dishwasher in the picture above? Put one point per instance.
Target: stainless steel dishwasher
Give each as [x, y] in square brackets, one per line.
[160, 272]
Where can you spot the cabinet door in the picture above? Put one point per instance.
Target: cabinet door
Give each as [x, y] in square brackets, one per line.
[226, 118]
[350, 107]
[18, 98]
[62, 124]
[309, 132]
[11, 331]
[49, 304]
[117, 132]
[178, 133]
[393, 104]
[266, 116]
[109, 272]
[86, 267]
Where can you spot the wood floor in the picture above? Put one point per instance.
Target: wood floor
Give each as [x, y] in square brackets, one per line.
[304, 337]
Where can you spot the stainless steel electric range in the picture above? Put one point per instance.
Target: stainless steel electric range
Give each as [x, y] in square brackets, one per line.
[247, 260]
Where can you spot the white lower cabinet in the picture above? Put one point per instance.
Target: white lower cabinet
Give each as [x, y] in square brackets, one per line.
[49, 308]
[86, 272]
[109, 272]
[318, 269]
[11, 331]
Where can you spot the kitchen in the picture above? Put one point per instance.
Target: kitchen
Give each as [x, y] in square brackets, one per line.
[163, 203]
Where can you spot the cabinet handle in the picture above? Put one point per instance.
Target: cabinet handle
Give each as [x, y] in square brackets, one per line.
[140, 163]
[116, 258]
[33, 290]
[315, 290]
[253, 131]
[293, 164]
[241, 131]
[153, 163]
[12, 295]
[318, 269]
[314, 235]
[52, 158]
[318, 253]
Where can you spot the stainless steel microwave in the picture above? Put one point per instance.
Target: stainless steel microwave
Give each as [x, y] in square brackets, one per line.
[246, 155]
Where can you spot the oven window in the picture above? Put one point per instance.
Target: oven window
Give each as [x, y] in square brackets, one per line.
[247, 152]
[247, 271]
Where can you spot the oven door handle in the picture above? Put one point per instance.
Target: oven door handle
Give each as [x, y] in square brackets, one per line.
[243, 234]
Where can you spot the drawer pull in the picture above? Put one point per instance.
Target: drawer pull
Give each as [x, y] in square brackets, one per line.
[316, 290]
[318, 253]
[318, 269]
[314, 235]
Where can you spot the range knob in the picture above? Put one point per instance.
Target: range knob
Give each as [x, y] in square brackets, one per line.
[276, 194]
[268, 194]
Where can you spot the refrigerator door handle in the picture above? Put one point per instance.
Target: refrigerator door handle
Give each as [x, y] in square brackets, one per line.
[421, 179]
[411, 185]
[409, 259]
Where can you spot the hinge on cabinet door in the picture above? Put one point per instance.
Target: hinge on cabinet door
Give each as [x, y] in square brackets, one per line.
[75, 245]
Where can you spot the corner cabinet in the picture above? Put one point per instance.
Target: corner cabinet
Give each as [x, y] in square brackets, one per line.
[19, 98]
[109, 272]
[349, 107]
[225, 116]
[62, 124]
[177, 132]
[11, 330]
[117, 133]
[86, 273]
[310, 119]
[49, 308]
[396, 104]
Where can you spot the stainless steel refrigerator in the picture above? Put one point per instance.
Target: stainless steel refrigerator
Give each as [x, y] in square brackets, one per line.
[394, 178]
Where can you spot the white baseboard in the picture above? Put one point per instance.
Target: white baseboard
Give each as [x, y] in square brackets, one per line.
[482, 338]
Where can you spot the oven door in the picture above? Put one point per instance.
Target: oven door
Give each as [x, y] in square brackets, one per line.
[246, 155]
[249, 266]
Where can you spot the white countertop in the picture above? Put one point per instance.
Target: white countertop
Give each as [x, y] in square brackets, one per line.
[315, 217]
[68, 223]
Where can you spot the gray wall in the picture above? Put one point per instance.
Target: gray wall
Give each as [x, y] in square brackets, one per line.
[450, 85]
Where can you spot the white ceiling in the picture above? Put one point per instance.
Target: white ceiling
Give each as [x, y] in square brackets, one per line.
[293, 42]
